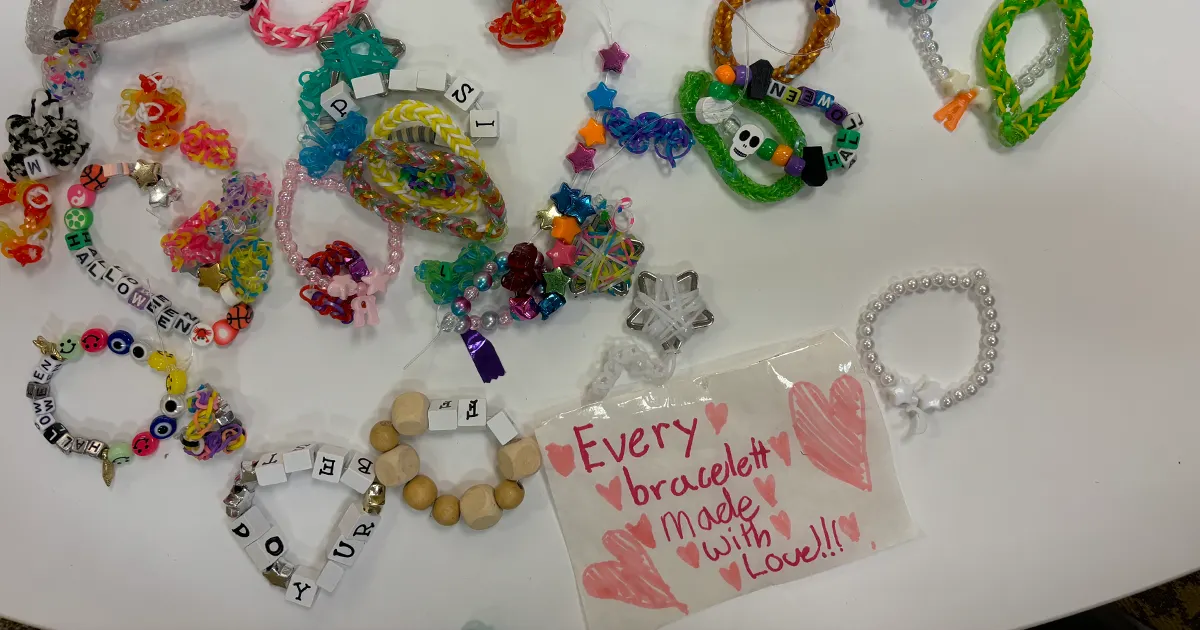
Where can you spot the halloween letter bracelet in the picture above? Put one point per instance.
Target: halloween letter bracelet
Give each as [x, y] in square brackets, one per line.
[213, 428]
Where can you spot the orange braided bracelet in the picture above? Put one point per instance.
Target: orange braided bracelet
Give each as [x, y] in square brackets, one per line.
[722, 46]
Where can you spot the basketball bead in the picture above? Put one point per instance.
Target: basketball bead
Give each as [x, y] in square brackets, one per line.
[240, 316]
[93, 178]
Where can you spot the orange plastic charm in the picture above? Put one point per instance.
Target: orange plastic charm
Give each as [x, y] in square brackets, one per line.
[954, 110]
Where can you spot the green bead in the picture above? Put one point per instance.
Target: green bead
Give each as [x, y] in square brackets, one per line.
[69, 347]
[77, 219]
[848, 139]
[767, 149]
[120, 453]
[720, 91]
[832, 161]
[78, 239]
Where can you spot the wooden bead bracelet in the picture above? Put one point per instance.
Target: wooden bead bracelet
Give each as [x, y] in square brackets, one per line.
[480, 507]
[818, 39]
[265, 544]
[213, 429]
[247, 259]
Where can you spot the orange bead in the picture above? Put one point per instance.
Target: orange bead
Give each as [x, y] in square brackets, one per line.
[782, 155]
[726, 75]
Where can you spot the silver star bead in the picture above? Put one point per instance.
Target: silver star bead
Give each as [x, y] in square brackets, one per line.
[163, 193]
[654, 289]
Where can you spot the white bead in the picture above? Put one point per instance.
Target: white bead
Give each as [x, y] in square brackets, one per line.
[965, 282]
[866, 345]
[484, 123]
[38, 167]
[991, 340]
[302, 587]
[267, 549]
[959, 395]
[986, 367]
[359, 475]
[250, 526]
[947, 402]
[988, 300]
[345, 550]
[992, 326]
[877, 369]
[981, 380]
[368, 85]
[443, 415]
[329, 463]
[922, 19]
[878, 306]
[463, 93]
[938, 279]
[889, 298]
[434, 80]
[403, 80]
[869, 317]
[228, 295]
[982, 289]
[887, 379]
[298, 459]
[870, 358]
[989, 314]
[502, 428]
[951, 281]
[337, 102]
[472, 412]
[270, 470]
[711, 111]
[866, 330]
[925, 283]
[990, 354]
[330, 576]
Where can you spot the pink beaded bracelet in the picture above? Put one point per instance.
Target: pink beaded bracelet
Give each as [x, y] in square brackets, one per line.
[343, 289]
[305, 35]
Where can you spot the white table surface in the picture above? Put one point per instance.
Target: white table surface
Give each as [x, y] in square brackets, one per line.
[1069, 482]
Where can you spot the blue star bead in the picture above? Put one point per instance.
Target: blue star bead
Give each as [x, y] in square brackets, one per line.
[581, 208]
[565, 198]
[602, 96]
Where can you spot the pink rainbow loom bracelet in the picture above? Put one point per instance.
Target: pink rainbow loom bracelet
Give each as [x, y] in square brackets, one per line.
[305, 35]
[341, 296]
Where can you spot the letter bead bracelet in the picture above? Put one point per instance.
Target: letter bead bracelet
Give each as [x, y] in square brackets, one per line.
[916, 398]
[211, 429]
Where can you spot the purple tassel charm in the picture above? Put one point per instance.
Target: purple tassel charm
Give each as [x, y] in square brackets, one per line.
[484, 355]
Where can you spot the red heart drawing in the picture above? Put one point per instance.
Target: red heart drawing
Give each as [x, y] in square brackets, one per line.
[632, 578]
[766, 489]
[782, 446]
[849, 525]
[782, 524]
[732, 576]
[718, 415]
[562, 458]
[642, 531]
[833, 431]
[690, 554]
[611, 492]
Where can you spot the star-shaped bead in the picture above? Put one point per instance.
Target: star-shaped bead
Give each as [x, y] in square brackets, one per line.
[565, 198]
[559, 255]
[602, 96]
[592, 133]
[581, 208]
[556, 282]
[145, 173]
[374, 282]
[582, 158]
[565, 229]
[163, 193]
[212, 277]
[614, 58]
[547, 215]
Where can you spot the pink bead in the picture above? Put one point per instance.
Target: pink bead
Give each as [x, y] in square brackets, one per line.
[471, 293]
[80, 197]
[505, 318]
[461, 306]
[475, 322]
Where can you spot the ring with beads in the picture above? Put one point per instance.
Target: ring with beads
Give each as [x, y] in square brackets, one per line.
[226, 430]
[482, 505]
[916, 398]
[235, 266]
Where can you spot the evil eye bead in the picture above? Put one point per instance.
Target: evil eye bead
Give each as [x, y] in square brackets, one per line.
[120, 342]
[139, 351]
[171, 406]
[163, 427]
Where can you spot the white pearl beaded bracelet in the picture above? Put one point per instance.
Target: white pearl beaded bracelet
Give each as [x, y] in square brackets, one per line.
[917, 398]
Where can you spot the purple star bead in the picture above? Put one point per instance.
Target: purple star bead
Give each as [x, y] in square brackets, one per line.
[582, 158]
[614, 58]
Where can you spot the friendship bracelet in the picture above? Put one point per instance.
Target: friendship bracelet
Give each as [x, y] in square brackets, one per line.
[249, 259]
[1016, 125]
[482, 505]
[437, 167]
[443, 127]
[923, 396]
[42, 38]
[305, 35]
[529, 24]
[694, 84]
[264, 542]
[818, 39]
[28, 246]
[218, 431]
[340, 284]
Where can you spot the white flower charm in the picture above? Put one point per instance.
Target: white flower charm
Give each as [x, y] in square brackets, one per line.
[916, 399]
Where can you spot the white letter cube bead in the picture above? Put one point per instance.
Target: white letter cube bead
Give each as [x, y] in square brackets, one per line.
[113, 275]
[330, 576]
[250, 526]
[345, 550]
[298, 459]
[357, 524]
[777, 90]
[337, 102]
[503, 428]
[158, 303]
[267, 549]
[126, 286]
[43, 406]
[463, 93]
[484, 123]
[403, 80]
[472, 412]
[302, 587]
[329, 463]
[270, 470]
[96, 270]
[38, 167]
[855, 121]
[43, 421]
[46, 369]
[431, 80]
[443, 415]
[360, 472]
[367, 85]
[85, 256]
[166, 319]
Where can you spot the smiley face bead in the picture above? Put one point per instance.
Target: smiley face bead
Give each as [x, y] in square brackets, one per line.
[119, 453]
[177, 382]
[144, 444]
[70, 347]
[94, 340]
[161, 361]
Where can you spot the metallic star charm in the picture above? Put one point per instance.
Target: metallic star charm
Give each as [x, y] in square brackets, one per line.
[546, 216]
[145, 173]
[647, 283]
[163, 193]
[363, 22]
[212, 277]
[556, 282]
[374, 498]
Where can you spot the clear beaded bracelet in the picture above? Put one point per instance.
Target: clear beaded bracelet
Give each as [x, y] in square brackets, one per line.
[84, 22]
[916, 398]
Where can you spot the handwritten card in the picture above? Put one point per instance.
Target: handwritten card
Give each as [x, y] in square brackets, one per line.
[681, 497]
